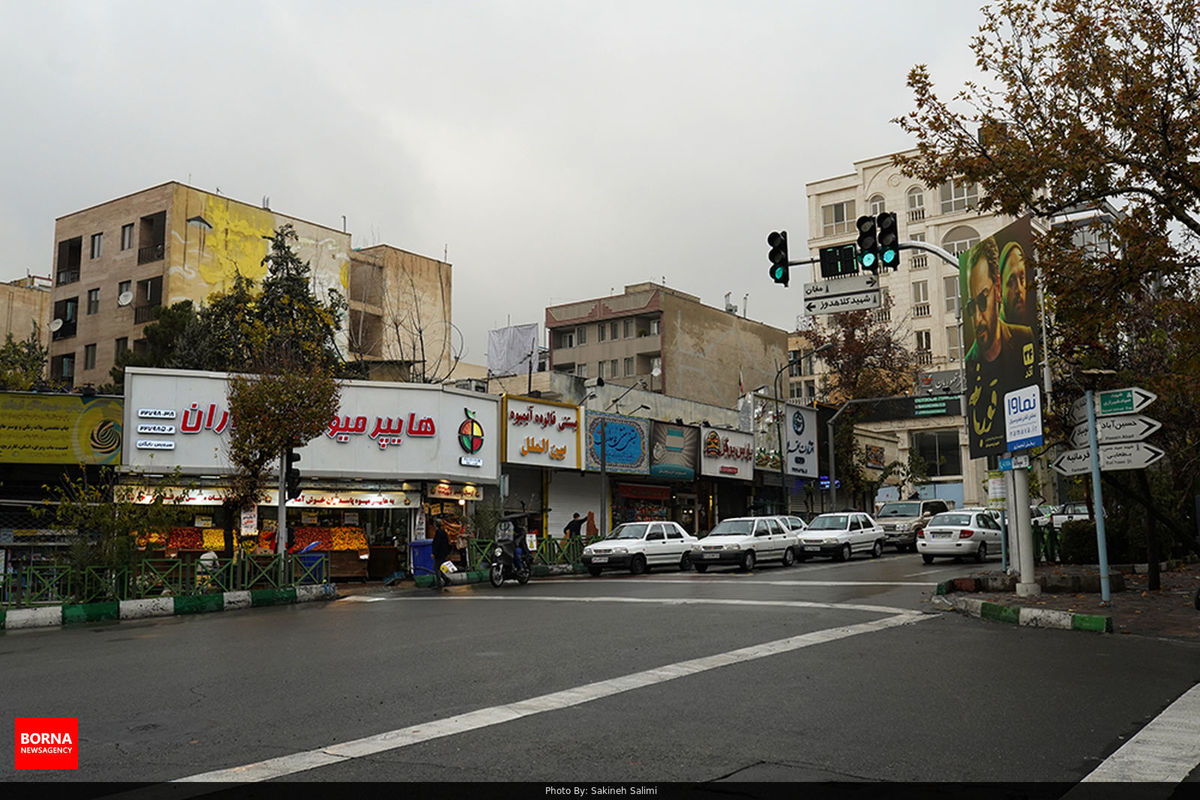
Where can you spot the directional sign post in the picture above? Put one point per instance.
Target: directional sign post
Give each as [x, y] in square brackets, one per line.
[854, 293]
[1130, 455]
[1111, 430]
[1114, 401]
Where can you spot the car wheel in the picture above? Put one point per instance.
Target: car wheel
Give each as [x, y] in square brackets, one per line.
[594, 571]
[748, 561]
[700, 567]
[981, 554]
[685, 562]
[496, 576]
[844, 554]
[789, 557]
[638, 565]
[928, 559]
[877, 550]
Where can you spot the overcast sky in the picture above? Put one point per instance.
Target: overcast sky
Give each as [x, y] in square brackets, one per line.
[551, 151]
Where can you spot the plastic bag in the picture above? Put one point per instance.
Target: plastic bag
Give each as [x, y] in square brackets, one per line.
[448, 567]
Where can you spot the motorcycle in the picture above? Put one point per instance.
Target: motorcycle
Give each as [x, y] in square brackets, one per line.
[510, 558]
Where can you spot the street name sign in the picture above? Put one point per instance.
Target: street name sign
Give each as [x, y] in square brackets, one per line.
[1130, 455]
[849, 285]
[1114, 401]
[1111, 430]
[858, 301]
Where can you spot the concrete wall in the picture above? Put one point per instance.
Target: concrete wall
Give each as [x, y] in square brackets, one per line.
[24, 308]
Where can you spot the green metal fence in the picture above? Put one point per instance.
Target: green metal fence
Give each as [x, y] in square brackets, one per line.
[56, 584]
[550, 551]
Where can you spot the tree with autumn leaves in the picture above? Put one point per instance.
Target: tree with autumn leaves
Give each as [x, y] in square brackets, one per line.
[1094, 104]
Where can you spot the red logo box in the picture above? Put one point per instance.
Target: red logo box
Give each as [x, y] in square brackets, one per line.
[46, 743]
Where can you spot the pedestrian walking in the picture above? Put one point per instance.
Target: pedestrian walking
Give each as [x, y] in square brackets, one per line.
[441, 552]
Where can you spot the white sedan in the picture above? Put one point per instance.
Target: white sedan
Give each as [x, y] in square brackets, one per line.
[841, 535]
[959, 533]
[640, 546]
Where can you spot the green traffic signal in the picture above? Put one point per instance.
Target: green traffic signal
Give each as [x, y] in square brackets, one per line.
[888, 237]
[779, 269]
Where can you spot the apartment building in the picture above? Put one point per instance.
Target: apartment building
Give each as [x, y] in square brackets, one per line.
[117, 262]
[25, 309]
[667, 341]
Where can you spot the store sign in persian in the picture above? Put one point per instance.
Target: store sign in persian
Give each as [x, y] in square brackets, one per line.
[625, 443]
[673, 451]
[726, 454]
[800, 438]
[541, 433]
[382, 430]
[59, 429]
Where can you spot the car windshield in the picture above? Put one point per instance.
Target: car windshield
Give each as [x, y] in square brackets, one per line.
[732, 527]
[630, 530]
[950, 519]
[832, 522]
[900, 510]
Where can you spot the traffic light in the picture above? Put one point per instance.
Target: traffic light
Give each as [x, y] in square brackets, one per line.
[292, 477]
[779, 270]
[868, 244]
[888, 236]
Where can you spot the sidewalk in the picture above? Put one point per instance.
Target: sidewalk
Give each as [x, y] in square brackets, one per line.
[1071, 594]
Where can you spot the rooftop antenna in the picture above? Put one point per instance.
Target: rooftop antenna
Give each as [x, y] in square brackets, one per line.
[745, 304]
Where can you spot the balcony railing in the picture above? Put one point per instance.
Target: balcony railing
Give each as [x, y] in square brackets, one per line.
[924, 357]
[66, 276]
[143, 314]
[147, 255]
[66, 331]
[881, 315]
[918, 262]
[921, 310]
[916, 214]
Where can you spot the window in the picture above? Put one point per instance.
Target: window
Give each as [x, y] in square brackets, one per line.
[920, 292]
[837, 218]
[612, 331]
[62, 368]
[70, 254]
[655, 327]
[952, 342]
[89, 356]
[581, 335]
[566, 338]
[612, 368]
[120, 346]
[939, 450]
[127, 236]
[581, 370]
[628, 367]
[627, 331]
[875, 204]
[924, 340]
[93, 301]
[960, 239]
[123, 287]
[66, 314]
[916, 204]
[950, 289]
[97, 244]
[958, 195]
[600, 370]
[601, 329]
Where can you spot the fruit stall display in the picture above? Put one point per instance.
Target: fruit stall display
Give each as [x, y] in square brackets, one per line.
[347, 548]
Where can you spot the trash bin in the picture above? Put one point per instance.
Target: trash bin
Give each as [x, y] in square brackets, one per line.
[422, 557]
[312, 566]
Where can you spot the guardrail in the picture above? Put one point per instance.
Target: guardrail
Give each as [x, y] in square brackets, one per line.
[54, 584]
[550, 550]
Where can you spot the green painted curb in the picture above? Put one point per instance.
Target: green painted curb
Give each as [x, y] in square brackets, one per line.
[999, 613]
[2, 613]
[199, 603]
[423, 580]
[90, 612]
[272, 597]
[943, 588]
[1091, 622]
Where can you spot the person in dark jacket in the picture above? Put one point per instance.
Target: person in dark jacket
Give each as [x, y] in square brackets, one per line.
[441, 552]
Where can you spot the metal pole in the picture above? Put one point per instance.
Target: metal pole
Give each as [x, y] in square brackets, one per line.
[603, 475]
[1028, 585]
[785, 500]
[281, 523]
[832, 462]
[1097, 497]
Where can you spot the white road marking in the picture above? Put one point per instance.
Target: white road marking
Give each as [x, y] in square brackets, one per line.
[669, 601]
[778, 583]
[402, 737]
[1165, 751]
[359, 598]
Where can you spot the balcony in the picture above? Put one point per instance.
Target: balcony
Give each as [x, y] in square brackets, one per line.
[881, 315]
[918, 262]
[921, 310]
[148, 255]
[66, 276]
[916, 214]
[924, 357]
[144, 313]
[66, 331]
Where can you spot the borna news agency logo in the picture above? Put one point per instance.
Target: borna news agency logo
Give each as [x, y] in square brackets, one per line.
[46, 743]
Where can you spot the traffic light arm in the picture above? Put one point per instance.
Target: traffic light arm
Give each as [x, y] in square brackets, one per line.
[945, 255]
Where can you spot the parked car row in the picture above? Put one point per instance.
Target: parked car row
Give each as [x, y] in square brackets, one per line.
[743, 542]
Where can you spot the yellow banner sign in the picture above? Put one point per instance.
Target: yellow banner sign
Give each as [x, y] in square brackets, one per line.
[59, 429]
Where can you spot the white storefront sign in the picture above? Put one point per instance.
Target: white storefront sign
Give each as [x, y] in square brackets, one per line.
[540, 433]
[800, 440]
[726, 454]
[393, 431]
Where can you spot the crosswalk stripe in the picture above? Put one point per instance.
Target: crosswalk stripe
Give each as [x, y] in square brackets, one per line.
[1165, 751]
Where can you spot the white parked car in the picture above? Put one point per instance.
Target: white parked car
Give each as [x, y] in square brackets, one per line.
[960, 533]
[840, 535]
[639, 547]
[746, 541]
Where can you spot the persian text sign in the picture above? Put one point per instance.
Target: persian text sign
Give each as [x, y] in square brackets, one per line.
[726, 454]
[59, 429]
[1023, 418]
[800, 440]
[541, 433]
[625, 443]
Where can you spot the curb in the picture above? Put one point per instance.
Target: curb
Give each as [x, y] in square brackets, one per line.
[72, 613]
[1022, 615]
[481, 576]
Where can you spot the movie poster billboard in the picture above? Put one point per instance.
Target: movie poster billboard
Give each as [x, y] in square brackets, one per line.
[1001, 330]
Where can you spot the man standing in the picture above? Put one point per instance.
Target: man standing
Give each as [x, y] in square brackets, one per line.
[573, 527]
[1003, 356]
[441, 552]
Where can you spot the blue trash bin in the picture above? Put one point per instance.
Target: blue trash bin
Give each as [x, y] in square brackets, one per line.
[313, 564]
[422, 556]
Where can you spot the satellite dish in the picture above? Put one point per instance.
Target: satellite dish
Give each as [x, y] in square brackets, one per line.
[124, 298]
[56, 325]
[656, 371]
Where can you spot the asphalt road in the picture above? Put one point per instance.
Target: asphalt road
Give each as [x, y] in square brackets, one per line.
[823, 671]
